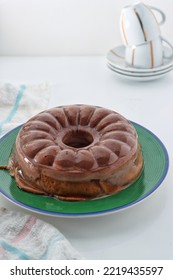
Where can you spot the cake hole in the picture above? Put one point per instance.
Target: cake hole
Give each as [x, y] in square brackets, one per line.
[77, 139]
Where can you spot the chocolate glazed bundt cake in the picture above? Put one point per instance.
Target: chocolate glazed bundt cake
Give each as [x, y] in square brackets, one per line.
[76, 152]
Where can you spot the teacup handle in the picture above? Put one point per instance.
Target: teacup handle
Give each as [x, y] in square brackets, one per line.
[171, 47]
[163, 19]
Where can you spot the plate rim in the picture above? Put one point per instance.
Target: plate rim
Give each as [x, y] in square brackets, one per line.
[95, 213]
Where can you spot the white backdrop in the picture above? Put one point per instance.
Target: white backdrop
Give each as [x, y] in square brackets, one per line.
[66, 27]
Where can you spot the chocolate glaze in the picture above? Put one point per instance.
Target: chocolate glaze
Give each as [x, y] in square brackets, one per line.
[75, 143]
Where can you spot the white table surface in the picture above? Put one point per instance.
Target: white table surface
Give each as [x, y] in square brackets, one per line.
[144, 231]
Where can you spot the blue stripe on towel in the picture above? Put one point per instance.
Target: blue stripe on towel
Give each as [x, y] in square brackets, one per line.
[14, 108]
[14, 251]
[58, 238]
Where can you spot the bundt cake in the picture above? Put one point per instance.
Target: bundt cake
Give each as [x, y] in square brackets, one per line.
[76, 152]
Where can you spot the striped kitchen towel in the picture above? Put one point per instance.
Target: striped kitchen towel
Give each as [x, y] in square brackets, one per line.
[25, 237]
[18, 103]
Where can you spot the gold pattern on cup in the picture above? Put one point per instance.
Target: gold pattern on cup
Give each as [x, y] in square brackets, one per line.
[141, 24]
[124, 33]
[151, 54]
[133, 56]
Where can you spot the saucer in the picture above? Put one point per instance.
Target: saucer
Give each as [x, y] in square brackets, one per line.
[115, 58]
[140, 74]
[139, 77]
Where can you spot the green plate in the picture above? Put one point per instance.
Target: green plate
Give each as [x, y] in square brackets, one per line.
[155, 169]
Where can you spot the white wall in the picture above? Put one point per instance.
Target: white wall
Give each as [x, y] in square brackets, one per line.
[66, 27]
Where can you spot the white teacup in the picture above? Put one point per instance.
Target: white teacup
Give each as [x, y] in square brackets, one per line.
[139, 25]
[148, 55]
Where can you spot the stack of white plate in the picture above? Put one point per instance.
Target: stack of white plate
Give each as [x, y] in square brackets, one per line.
[116, 62]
